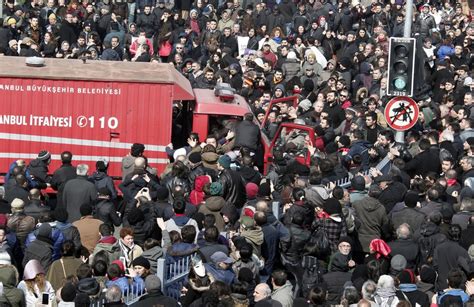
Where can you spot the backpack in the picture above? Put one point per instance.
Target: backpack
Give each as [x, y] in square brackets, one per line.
[320, 240]
[312, 274]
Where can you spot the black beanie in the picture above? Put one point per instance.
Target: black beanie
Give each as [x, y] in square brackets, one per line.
[411, 199]
[264, 190]
[135, 215]
[194, 157]
[141, 261]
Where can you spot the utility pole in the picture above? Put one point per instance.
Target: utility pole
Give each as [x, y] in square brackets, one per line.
[400, 135]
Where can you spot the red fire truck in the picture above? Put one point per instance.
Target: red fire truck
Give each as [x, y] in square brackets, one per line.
[99, 109]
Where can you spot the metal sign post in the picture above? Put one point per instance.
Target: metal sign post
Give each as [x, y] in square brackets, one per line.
[400, 135]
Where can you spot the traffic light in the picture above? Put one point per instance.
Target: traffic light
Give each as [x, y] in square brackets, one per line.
[401, 66]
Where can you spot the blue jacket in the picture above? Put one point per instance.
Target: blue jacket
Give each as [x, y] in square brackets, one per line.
[359, 148]
[226, 276]
[121, 282]
[456, 292]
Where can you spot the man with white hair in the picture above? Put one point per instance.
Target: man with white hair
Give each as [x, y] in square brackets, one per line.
[77, 192]
[405, 246]
[386, 292]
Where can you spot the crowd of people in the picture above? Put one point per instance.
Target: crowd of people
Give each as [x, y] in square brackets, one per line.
[397, 236]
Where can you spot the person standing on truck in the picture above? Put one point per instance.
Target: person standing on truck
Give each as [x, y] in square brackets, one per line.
[247, 134]
[38, 170]
[63, 174]
[128, 162]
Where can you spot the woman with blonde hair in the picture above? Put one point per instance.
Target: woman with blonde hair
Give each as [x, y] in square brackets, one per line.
[34, 284]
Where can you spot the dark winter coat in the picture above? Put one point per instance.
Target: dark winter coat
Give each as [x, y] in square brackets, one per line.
[415, 296]
[445, 258]
[102, 180]
[213, 205]
[423, 163]
[106, 212]
[393, 194]
[292, 246]
[70, 232]
[233, 187]
[210, 248]
[247, 134]
[36, 209]
[77, 192]
[156, 298]
[39, 170]
[16, 191]
[408, 249]
[40, 249]
[411, 216]
[373, 220]
[62, 175]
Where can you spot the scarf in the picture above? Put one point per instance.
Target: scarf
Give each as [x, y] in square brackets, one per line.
[429, 54]
[125, 251]
[451, 182]
[385, 292]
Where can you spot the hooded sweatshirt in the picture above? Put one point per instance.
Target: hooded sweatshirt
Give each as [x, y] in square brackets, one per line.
[9, 279]
[196, 196]
[254, 236]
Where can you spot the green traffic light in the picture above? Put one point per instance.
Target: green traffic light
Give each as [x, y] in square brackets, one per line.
[400, 83]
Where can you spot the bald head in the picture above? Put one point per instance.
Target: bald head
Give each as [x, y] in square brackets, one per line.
[140, 163]
[363, 303]
[35, 194]
[262, 291]
[262, 206]
[403, 231]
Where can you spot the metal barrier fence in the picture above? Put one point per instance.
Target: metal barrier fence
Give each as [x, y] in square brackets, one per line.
[173, 275]
[131, 296]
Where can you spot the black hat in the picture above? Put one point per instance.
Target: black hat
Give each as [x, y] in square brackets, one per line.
[135, 215]
[194, 157]
[345, 239]
[141, 261]
[68, 292]
[332, 206]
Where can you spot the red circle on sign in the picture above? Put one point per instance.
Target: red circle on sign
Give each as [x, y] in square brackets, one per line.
[405, 105]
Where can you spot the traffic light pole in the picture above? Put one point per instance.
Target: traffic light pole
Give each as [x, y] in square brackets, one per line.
[400, 135]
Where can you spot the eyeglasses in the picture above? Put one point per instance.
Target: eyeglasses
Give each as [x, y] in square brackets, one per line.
[179, 47]
[343, 96]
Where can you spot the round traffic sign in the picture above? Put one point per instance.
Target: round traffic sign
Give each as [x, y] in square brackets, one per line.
[401, 113]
